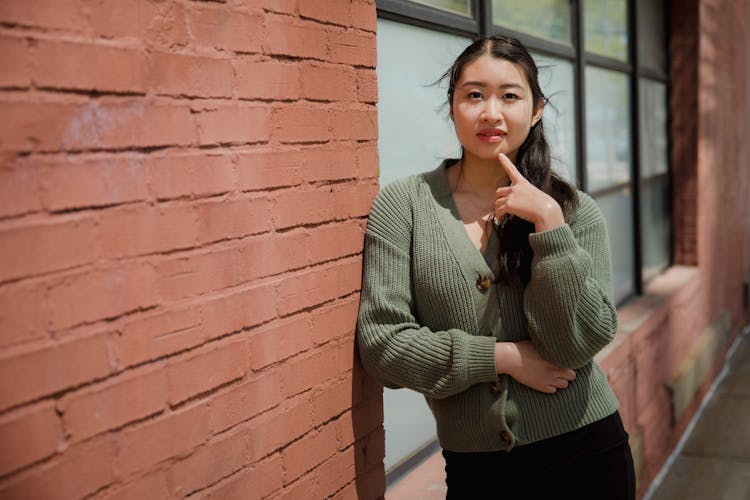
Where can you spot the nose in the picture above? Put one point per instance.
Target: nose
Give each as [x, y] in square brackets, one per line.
[492, 110]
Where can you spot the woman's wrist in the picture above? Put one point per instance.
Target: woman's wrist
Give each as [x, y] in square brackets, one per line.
[551, 217]
[506, 354]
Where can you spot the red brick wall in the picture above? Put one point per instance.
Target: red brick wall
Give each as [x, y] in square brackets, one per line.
[183, 192]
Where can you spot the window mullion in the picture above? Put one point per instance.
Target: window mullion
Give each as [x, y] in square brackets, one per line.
[580, 96]
[635, 181]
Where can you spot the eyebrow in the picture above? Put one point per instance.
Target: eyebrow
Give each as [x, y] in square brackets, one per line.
[483, 84]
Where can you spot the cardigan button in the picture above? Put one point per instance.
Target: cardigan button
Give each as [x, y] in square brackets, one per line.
[506, 437]
[483, 283]
[496, 388]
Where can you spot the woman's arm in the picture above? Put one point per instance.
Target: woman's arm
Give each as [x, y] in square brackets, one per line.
[568, 301]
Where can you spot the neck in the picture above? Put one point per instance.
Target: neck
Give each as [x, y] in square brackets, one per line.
[481, 176]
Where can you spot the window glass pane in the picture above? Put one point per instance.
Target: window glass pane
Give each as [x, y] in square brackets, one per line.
[556, 80]
[655, 225]
[606, 28]
[548, 19]
[607, 128]
[462, 7]
[410, 60]
[618, 211]
[652, 130]
[415, 134]
[652, 53]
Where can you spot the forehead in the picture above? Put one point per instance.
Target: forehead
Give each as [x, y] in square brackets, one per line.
[494, 72]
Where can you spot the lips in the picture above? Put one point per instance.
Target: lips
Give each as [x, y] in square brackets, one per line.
[491, 134]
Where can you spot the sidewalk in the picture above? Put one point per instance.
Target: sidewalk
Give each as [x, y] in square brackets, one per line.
[714, 463]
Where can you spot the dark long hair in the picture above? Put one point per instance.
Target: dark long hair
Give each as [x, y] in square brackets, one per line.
[533, 159]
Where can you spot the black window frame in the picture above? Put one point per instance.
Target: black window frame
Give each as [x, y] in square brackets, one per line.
[479, 24]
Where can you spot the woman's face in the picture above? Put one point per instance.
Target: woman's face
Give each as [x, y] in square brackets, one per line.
[492, 108]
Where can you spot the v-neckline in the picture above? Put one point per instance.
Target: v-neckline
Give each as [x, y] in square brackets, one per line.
[453, 225]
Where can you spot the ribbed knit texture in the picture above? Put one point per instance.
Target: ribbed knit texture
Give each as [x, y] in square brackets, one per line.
[424, 324]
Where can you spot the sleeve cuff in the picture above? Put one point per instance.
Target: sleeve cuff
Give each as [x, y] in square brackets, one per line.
[480, 359]
[556, 242]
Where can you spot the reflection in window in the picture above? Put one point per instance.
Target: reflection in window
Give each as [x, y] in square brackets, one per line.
[556, 80]
[606, 28]
[652, 101]
[618, 212]
[548, 19]
[607, 128]
[651, 35]
[655, 216]
[462, 7]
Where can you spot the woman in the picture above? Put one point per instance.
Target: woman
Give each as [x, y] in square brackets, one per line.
[487, 288]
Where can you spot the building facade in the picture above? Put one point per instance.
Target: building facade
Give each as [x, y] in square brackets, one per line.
[184, 187]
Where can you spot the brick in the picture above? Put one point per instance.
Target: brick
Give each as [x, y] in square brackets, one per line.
[198, 373]
[224, 29]
[224, 219]
[328, 82]
[31, 126]
[275, 80]
[94, 182]
[19, 192]
[309, 370]
[169, 436]
[296, 39]
[77, 473]
[317, 203]
[143, 230]
[115, 19]
[233, 125]
[349, 238]
[316, 286]
[152, 486]
[239, 309]
[210, 463]
[259, 481]
[51, 367]
[14, 59]
[367, 86]
[187, 75]
[156, 335]
[29, 435]
[301, 123]
[355, 124]
[368, 164]
[279, 341]
[274, 254]
[63, 243]
[357, 48]
[86, 66]
[353, 200]
[332, 162]
[99, 294]
[123, 124]
[333, 11]
[194, 175]
[369, 417]
[260, 170]
[335, 321]
[214, 269]
[331, 400]
[281, 6]
[57, 14]
[242, 402]
[304, 486]
[364, 15]
[310, 451]
[335, 473]
[21, 313]
[277, 428]
[114, 403]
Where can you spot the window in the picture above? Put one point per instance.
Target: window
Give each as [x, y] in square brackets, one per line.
[603, 64]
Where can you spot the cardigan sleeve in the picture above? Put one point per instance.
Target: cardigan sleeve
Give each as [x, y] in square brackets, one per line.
[568, 301]
[393, 346]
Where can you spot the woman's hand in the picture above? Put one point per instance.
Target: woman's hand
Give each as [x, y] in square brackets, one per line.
[526, 201]
[522, 361]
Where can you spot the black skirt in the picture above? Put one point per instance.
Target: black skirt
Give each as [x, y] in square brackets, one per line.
[593, 462]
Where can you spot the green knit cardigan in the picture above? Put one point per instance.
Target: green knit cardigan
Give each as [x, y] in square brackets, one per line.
[428, 320]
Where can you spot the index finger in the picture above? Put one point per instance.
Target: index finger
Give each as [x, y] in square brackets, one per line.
[510, 169]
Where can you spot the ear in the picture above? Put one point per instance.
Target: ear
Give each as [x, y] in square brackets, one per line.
[538, 113]
[450, 113]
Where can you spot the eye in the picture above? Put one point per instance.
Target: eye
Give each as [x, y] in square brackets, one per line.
[510, 96]
[474, 94]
